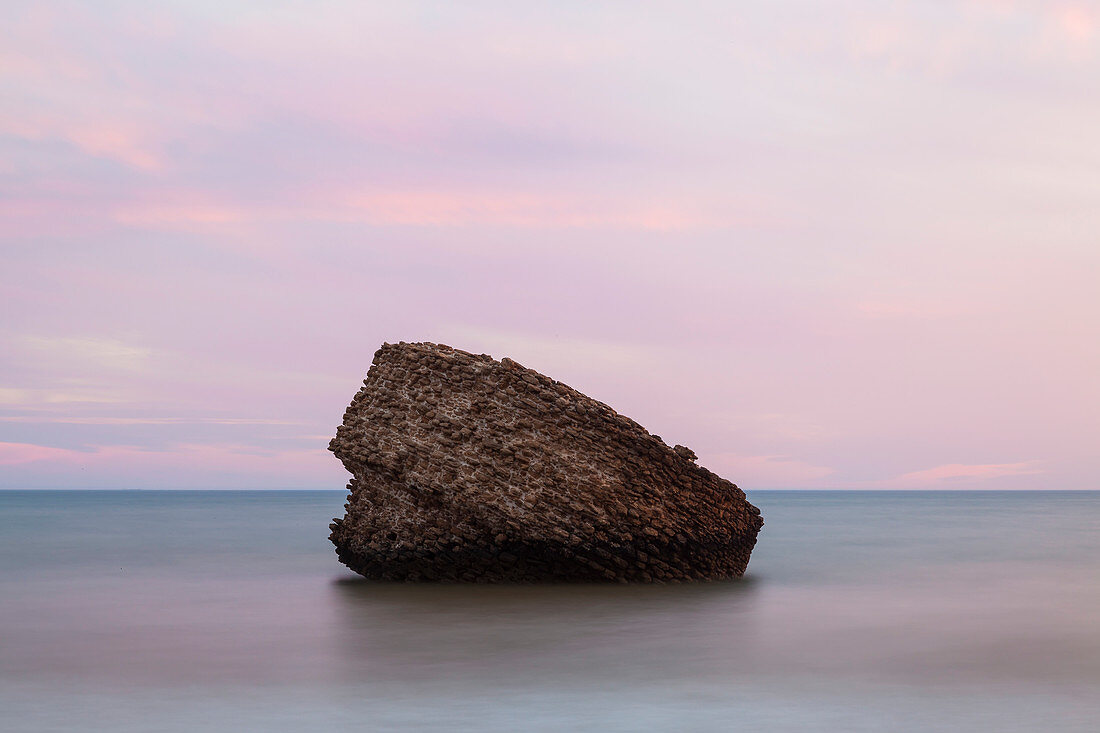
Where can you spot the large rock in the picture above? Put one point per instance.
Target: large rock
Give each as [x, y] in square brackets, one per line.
[470, 469]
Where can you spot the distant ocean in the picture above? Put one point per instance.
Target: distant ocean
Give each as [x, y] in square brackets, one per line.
[861, 611]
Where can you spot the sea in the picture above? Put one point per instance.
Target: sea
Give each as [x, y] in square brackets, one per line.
[860, 611]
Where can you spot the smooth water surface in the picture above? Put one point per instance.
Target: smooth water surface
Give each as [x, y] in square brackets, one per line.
[861, 611]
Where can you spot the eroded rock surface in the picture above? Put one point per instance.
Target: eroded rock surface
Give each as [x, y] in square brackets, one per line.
[469, 469]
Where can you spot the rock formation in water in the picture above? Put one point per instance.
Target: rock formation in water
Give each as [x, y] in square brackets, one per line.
[469, 469]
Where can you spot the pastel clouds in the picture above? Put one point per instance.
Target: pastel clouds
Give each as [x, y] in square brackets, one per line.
[965, 474]
[1078, 20]
[13, 453]
[438, 208]
[826, 245]
[777, 471]
[177, 466]
[104, 353]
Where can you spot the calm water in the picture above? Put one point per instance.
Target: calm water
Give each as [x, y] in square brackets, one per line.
[861, 612]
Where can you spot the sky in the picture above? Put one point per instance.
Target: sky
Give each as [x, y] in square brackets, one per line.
[850, 245]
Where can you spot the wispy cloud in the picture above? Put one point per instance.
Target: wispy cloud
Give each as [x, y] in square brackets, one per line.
[83, 352]
[548, 352]
[63, 395]
[1078, 20]
[179, 465]
[775, 471]
[962, 473]
[445, 208]
[15, 453]
[109, 420]
[820, 243]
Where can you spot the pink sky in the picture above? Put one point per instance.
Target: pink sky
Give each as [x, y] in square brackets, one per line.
[827, 245]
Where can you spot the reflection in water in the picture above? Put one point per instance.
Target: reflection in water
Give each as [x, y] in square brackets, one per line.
[518, 635]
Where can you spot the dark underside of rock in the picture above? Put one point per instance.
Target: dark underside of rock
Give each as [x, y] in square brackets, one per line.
[469, 469]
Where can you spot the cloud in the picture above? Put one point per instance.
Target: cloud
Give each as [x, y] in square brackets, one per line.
[81, 352]
[950, 473]
[105, 420]
[68, 395]
[439, 208]
[180, 465]
[833, 239]
[1077, 21]
[912, 308]
[114, 142]
[15, 453]
[770, 471]
[10, 396]
[543, 353]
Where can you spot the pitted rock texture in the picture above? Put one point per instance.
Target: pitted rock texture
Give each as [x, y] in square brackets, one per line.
[469, 469]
